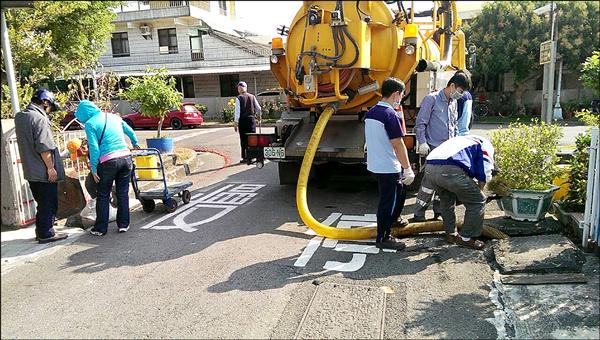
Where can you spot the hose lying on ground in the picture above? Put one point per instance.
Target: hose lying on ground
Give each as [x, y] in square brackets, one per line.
[357, 233]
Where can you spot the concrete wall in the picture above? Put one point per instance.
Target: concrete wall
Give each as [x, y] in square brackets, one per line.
[146, 52]
[9, 202]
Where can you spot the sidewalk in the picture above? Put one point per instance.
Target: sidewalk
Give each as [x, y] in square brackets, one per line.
[19, 246]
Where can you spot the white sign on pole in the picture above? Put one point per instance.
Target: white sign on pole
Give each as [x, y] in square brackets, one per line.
[546, 52]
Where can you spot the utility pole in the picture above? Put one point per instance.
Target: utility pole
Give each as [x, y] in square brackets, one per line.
[548, 59]
[558, 114]
[10, 71]
[551, 69]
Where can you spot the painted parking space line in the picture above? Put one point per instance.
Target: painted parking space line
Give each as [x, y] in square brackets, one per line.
[197, 133]
[224, 200]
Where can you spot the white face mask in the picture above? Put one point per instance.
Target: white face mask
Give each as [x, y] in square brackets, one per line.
[456, 95]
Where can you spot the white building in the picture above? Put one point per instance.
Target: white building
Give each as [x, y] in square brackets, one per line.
[198, 42]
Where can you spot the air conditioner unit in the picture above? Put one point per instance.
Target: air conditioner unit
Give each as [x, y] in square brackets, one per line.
[164, 50]
[145, 30]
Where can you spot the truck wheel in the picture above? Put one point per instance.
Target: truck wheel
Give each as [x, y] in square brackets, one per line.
[288, 172]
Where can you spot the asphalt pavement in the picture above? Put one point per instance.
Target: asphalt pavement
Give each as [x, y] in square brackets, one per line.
[238, 263]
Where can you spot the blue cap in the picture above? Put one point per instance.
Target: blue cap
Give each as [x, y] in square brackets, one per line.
[242, 84]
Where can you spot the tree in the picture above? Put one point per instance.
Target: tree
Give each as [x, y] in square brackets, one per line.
[156, 92]
[508, 36]
[590, 72]
[58, 38]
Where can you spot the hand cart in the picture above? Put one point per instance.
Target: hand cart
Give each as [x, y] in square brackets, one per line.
[150, 173]
[256, 145]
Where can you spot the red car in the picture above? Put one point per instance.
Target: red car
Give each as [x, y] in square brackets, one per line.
[188, 115]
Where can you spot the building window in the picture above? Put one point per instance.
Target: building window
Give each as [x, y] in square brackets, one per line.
[120, 44]
[167, 41]
[229, 84]
[188, 87]
[197, 47]
[223, 7]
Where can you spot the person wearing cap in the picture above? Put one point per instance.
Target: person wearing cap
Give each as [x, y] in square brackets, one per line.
[245, 109]
[41, 161]
[452, 169]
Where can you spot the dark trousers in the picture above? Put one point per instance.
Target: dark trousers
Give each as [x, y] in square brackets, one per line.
[46, 197]
[392, 194]
[116, 170]
[245, 125]
[453, 184]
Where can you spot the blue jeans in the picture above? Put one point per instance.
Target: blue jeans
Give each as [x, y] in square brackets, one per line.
[392, 194]
[116, 170]
[46, 197]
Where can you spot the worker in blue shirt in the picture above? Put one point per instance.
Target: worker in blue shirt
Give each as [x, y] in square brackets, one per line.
[452, 169]
[387, 158]
[465, 113]
[437, 121]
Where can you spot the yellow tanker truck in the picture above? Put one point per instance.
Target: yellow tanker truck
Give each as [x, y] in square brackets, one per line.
[336, 56]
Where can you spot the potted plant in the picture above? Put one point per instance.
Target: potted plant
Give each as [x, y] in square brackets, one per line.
[157, 94]
[527, 160]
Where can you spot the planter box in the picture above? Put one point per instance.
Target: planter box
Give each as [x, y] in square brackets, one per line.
[527, 205]
[164, 145]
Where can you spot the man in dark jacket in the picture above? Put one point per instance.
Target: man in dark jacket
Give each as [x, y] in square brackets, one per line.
[246, 107]
[42, 164]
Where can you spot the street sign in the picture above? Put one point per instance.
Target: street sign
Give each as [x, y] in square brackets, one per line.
[545, 52]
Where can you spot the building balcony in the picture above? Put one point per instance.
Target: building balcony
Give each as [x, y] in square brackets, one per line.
[146, 10]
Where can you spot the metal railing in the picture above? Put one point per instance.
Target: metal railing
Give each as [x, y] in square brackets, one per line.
[132, 6]
[591, 217]
[221, 55]
[197, 55]
[26, 206]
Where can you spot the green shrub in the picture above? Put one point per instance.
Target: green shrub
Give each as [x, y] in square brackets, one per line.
[588, 118]
[201, 107]
[526, 155]
[228, 111]
[575, 200]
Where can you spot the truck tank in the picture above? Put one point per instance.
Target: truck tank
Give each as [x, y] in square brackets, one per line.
[331, 67]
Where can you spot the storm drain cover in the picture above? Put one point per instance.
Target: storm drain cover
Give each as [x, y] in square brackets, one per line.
[344, 311]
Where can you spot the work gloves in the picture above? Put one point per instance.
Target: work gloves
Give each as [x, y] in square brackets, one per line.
[423, 149]
[408, 176]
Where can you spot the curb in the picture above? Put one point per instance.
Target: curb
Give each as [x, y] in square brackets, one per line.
[222, 125]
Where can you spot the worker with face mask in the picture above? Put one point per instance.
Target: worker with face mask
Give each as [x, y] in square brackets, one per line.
[437, 122]
[41, 161]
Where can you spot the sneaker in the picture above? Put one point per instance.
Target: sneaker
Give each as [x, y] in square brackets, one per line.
[437, 217]
[123, 229]
[54, 238]
[390, 243]
[96, 233]
[401, 223]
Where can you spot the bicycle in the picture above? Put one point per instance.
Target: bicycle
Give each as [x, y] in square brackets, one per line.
[480, 108]
[506, 108]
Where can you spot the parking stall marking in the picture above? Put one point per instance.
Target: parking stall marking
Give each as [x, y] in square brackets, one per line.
[359, 251]
[226, 199]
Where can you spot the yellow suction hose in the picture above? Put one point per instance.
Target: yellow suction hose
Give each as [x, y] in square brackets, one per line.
[356, 233]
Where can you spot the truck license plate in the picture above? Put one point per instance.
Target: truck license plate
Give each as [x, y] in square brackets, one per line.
[274, 152]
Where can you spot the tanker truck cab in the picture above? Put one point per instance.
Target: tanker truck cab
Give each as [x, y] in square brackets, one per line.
[334, 59]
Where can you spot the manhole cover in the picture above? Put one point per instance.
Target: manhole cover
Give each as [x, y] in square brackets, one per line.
[344, 311]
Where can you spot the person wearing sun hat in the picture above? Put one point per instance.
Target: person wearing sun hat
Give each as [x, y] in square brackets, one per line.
[245, 108]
